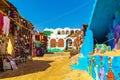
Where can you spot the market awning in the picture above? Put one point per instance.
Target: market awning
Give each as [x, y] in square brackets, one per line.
[47, 33]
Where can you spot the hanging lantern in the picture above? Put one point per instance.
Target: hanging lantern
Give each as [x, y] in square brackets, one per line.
[23, 35]
[21, 39]
[31, 32]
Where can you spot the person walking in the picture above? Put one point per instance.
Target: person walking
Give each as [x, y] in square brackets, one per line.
[38, 45]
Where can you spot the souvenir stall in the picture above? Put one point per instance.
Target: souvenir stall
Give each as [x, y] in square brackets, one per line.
[33, 44]
[4, 31]
[45, 42]
[23, 45]
[15, 35]
[6, 46]
[39, 44]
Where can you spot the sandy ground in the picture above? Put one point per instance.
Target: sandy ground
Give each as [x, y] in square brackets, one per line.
[49, 67]
[111, 53]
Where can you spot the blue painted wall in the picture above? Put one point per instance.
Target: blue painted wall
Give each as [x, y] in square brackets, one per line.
[102, 18]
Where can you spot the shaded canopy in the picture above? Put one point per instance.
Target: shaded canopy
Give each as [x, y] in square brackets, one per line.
[102, 18]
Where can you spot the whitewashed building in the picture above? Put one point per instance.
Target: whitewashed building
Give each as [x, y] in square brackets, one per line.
[59, 40]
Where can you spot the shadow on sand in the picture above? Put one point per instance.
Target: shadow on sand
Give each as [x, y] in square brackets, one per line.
[27, 68]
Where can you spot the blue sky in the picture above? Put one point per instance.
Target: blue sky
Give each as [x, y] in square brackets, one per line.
[55, 13]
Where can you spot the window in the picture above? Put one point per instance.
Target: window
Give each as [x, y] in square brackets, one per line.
[60, 43]
[53, 43]
[72, 31]
[67, 32]
[76, 31]
[63, 32]
[59, 32]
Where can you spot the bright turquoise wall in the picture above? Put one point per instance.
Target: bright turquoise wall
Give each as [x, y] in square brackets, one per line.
[102, 17]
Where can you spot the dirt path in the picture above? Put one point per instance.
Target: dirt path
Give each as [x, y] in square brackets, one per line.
[49, 67]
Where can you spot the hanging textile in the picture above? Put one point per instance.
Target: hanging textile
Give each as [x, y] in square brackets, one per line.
[10, 47]
[6, 25]
[41, 37]
[3, 47]
[33, 38]
[14, 14]
[37, 37]
[12, 28]
[18, 27]
[11, 13]
[1, 23]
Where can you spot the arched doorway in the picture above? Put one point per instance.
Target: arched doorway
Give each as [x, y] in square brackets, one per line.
[59, 32]
[53, 43]
[63, 32]
[72, 32]
[60, 43]
[67, 31]
[68, 44]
